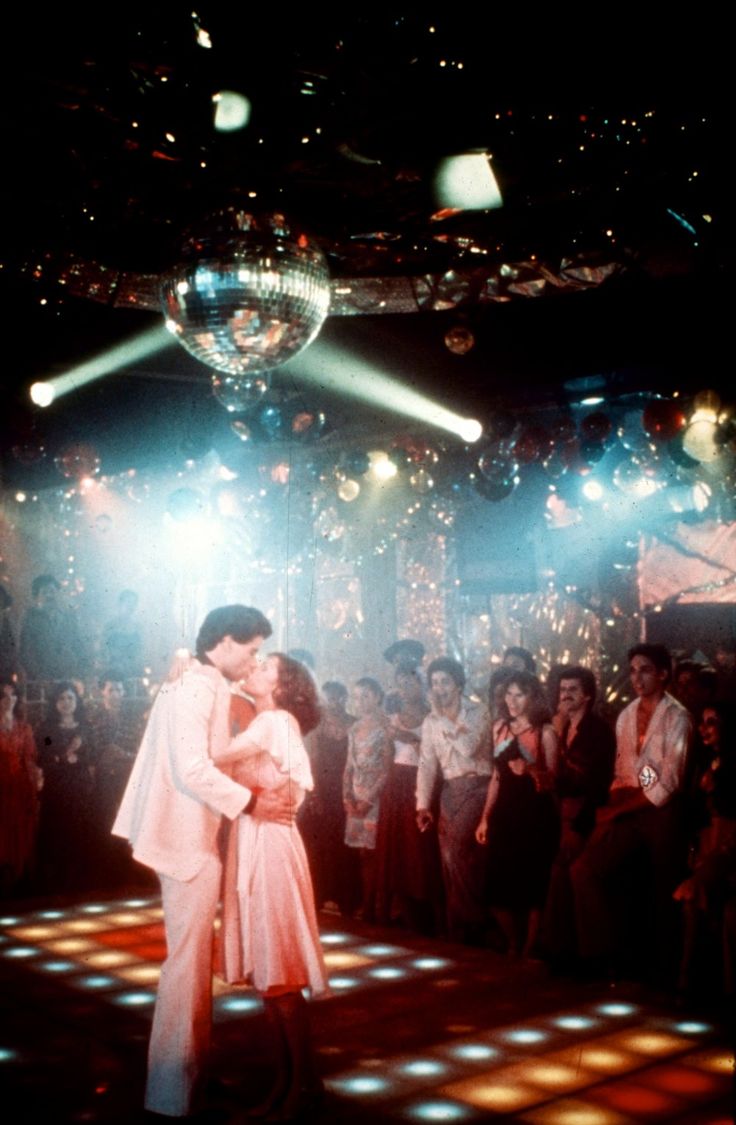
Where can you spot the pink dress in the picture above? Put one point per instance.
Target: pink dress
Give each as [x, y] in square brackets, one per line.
[270, 933]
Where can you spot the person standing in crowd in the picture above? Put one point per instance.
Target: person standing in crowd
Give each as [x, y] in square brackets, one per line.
[50, 645]
[115, 729]
[335, 867]
[122, 639]
[66, 834]
[20, 781]
[587, 749]
[519, 820]
[409, 874]
[172, 811]
[9, 662]
[519, 660]
[370, 752]
[641, 821]
[455, 753]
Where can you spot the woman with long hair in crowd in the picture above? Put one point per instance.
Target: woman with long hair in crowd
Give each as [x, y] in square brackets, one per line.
[66, 829]
[20, 780]
[519, 822]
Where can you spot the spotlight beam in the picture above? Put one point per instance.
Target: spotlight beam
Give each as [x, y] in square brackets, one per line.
[327, 366]
[146, 343]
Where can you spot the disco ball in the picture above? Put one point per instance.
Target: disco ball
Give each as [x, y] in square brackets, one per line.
[251, 291]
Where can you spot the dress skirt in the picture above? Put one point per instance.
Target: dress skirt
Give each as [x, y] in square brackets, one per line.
[270, 934]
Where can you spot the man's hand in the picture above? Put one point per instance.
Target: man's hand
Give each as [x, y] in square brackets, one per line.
[278, 805]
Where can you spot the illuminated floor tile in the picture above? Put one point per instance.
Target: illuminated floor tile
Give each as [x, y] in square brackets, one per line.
[568, 1111]
[342, 959]
[140, 974]
[646, 1042]
[435, 1110]
[486, 1091]
[85, 925]
[597, 1056]
[360, 1085]
[716, 1059]
[381, 950]
[685, 1080]
[554, 1075]
[638, 1100]
[71, 946]
[473, 1052]
[37, 933]
[109, 959]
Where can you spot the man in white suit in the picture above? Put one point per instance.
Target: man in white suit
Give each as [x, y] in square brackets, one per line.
[171, 813]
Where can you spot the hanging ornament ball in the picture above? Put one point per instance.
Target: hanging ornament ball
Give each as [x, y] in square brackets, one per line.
[357, 463]
[78, 461]
[459, 339]
[564, 429]
[28, 452]
[633, 479]
[555, 465]
[631, 433]
[493, 465]
[592, 451]
[700, 441]
[252, 290]
[532, 444]
[308, 423]
[239, 393]
[662, 419]
[329, 526]
[348, 490]
[495, 490]
[501, 426]
[241, 430]
[421, 481]
[271, 420]
[596, 427]
[184, 504]
[707, 404]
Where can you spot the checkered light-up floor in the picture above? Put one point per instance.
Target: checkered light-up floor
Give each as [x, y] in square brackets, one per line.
[605, 1062]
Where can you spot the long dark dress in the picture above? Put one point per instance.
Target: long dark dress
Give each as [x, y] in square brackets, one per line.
[66, 826]
[523, 830]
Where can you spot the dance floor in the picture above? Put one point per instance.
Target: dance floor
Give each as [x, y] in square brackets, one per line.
[413, 1031]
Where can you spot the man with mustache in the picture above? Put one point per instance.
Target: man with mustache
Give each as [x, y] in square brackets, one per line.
[587, 749]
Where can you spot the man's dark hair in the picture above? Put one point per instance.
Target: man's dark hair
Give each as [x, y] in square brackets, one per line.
[584, 676]
[524, 655]
[658, 654]
[241, 622]
[110, 676]
[452, 668]
[372, 685]
[41, 581]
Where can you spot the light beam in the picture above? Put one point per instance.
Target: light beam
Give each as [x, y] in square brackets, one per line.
[329, 367]
[144, 344]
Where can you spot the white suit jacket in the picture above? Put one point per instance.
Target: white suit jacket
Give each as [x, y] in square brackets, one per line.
[658, 765]
[176, 797]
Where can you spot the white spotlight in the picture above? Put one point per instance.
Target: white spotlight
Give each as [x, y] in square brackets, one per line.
[469, 429]
[466, 182]
[42, 394]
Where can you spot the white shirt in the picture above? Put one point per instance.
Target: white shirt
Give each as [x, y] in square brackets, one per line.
[657, 767]
[458, 747]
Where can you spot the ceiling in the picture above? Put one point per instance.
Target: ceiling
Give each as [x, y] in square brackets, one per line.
[605, 267]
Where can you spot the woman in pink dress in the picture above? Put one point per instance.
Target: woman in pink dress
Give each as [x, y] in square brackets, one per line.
[271, 938]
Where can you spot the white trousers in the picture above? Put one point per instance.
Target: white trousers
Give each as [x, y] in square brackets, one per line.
[182, 1020]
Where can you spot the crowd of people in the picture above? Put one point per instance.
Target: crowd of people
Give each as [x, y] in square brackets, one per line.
[527, 821]
[522, 820]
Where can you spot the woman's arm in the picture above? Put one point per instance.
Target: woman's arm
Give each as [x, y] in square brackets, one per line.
[481, 832]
